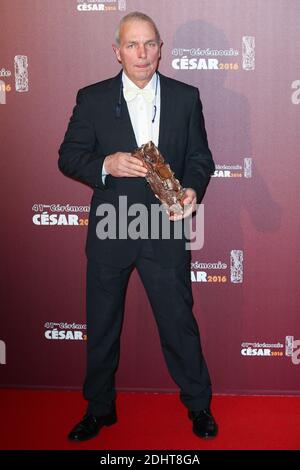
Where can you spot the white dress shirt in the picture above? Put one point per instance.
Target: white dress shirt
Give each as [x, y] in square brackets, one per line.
[142, 112]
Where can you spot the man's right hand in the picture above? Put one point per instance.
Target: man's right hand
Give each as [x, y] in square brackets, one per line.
[124, 164]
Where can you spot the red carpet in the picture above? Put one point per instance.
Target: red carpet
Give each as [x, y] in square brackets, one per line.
[35, 419]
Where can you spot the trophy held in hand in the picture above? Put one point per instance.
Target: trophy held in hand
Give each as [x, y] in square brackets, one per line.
[161, 178]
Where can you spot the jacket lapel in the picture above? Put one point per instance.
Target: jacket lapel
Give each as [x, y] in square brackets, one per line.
[167, 114]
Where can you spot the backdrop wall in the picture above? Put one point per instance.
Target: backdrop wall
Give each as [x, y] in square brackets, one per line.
[243, 57]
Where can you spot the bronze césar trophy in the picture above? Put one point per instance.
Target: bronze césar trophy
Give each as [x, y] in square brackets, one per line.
[161, 178]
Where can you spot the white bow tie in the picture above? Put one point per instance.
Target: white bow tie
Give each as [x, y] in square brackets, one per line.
[131, 93]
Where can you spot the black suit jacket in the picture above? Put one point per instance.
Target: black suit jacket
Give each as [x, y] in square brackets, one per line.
[96, 129]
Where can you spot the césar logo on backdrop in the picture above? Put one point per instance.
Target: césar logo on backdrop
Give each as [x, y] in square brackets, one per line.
[64, 331]
[273, 350]
[20, 77]
[2, 352]
[100, 5]
[196, 58]
[218, 272]
[234, 170]
[296, 94]
[60, 214]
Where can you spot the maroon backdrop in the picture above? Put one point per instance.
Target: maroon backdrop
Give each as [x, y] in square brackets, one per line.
[243, 57]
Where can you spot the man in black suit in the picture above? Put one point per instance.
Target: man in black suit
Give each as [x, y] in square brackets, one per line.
[110, 120]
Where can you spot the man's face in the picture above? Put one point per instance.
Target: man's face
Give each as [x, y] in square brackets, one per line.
[139, 51]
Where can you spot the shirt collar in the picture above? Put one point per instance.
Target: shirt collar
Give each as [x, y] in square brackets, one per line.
[127, 83]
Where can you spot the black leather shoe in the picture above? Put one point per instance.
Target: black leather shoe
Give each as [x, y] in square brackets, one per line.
[90, 426]
[204, 424]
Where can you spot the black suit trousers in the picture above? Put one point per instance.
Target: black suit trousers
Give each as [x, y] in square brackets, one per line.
[170, 294]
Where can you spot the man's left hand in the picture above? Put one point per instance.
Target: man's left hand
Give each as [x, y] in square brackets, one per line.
[189, 203]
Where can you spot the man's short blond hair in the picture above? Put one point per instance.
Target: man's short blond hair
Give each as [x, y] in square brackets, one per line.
[136, 15]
